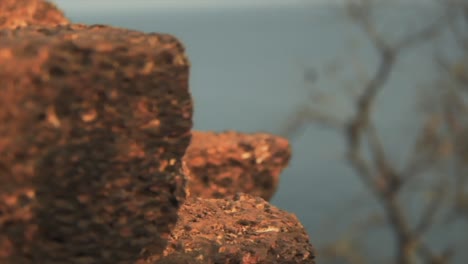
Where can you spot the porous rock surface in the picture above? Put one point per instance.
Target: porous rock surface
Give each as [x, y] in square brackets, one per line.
[223, 164]
[94, 123]
[244, 229]
[17, 13]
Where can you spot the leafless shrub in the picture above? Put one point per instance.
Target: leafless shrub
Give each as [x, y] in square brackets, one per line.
[438, 164]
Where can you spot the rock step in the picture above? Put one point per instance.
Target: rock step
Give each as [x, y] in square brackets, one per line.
[244, 229]
[223, 164]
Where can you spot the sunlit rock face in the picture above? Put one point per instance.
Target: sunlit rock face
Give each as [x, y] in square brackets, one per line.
[95, 121]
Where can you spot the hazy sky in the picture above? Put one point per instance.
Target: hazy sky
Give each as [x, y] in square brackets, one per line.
[180, 4]
[122, 5]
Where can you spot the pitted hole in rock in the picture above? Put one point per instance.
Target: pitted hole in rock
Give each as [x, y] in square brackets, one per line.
[245, 222]
[218, 195]
[174, 202]
[41, 116]
[46, 31]
[56, 71]
[167, 57]
[225, 182]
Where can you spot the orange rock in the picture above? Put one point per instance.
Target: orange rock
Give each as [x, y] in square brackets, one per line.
[72, 134]
[245, 229]
[18, 13]
[223, 164]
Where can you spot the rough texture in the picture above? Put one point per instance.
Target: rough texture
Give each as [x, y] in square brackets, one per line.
[244, 230]
[94, 122]
[223, 164]
[17, 13]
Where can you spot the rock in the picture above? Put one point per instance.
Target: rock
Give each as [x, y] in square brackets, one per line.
[223, 164]
[94, 123]
[16, 13]
[240, 230]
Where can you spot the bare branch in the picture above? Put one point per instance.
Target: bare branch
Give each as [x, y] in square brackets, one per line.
[360, 122]
[361, 125]
[364, 171]
[378, 173]
[444, 257]
[390, 177]
[416, 167]
[305, 115]
[361, 12]
[425, 34]
[429, 213]
[424, 151]
[458, 72]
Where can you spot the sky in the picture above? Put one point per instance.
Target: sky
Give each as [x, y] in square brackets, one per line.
[103, 5]
[112, 6]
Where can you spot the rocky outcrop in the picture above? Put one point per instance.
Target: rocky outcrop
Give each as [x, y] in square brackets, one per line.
[16, 13]
[244, 229]
[223, 164]
[95, 124]
[95, 121]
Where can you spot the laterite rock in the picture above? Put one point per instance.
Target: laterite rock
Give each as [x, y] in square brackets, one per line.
[94, 122]
[19, 13]
[223, 164]
[244, 229]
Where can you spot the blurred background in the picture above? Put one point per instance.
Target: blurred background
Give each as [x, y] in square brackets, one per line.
[371, 94]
